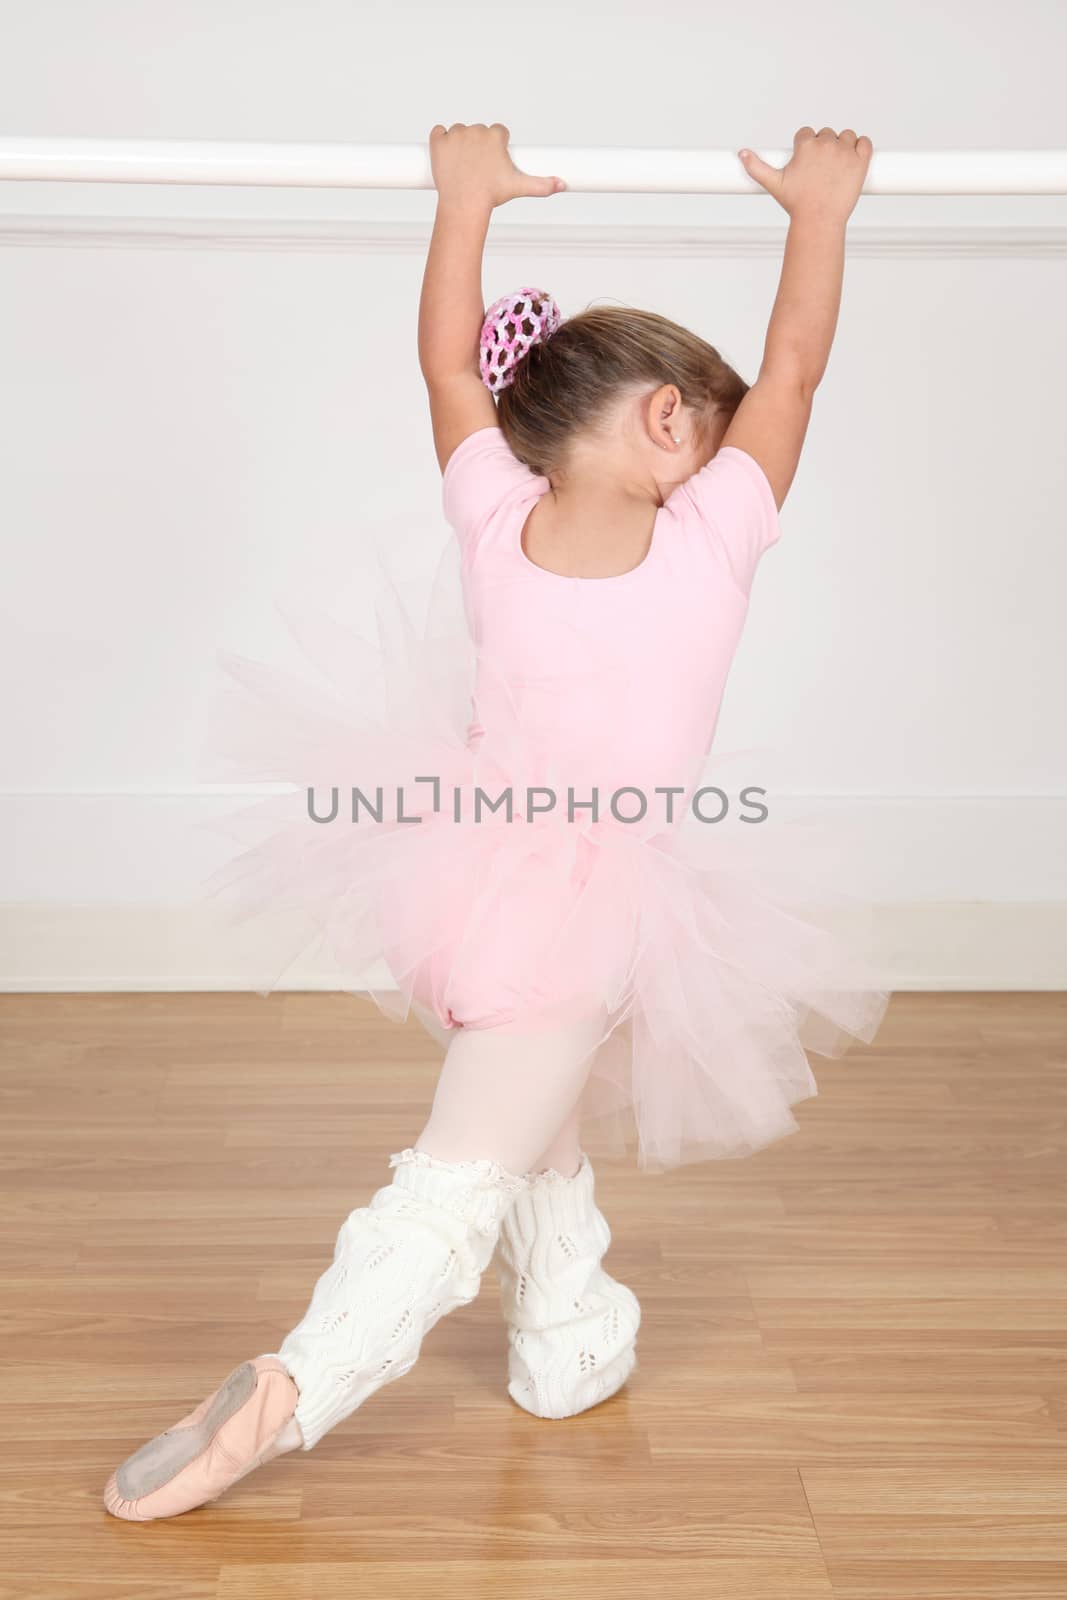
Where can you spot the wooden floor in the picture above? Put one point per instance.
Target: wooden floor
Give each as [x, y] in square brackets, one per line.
[852, 1372]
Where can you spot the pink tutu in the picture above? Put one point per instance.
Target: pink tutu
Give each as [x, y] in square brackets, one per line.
[693, 941]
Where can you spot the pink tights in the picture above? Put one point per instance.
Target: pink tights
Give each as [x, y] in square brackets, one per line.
[512, 1097]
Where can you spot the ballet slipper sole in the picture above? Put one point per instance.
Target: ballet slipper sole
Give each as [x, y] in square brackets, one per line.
[247, 1421]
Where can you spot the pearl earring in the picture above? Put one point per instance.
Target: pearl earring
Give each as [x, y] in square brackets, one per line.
[676, 439]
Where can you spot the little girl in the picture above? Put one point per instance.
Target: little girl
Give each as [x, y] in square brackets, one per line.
[562, 916]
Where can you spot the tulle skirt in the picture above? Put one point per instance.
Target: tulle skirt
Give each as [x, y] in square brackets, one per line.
[710, 951]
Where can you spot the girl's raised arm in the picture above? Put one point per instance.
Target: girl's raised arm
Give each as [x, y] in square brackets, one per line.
[818, 187]
[473, 172]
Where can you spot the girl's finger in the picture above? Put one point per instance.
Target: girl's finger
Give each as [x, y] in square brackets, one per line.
[769, 177]
[540, 186]
[847, 136]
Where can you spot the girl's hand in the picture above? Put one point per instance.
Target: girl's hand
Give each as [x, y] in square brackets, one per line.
[825, 174]
[472, 164]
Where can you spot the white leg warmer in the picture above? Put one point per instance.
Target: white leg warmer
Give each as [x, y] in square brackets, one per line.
[572, 1328]
[416, 1252]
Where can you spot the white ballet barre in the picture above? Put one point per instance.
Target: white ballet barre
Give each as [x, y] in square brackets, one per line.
[584, 169]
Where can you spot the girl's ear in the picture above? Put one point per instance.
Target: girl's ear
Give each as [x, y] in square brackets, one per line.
[664, 414]
[672, 402]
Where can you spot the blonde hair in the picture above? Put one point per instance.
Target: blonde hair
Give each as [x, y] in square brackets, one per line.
[570, 382]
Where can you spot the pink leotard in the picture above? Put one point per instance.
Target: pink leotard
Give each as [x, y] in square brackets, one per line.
[617, 678]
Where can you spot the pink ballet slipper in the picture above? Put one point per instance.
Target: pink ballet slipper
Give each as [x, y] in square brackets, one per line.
[247, 1421]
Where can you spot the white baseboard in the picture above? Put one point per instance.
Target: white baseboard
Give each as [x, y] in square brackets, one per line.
[949, 945]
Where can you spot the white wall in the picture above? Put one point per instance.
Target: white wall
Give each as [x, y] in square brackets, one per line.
[205, 395]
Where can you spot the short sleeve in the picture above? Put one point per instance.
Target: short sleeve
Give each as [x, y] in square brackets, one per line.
[735, 501]
[481, 479]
